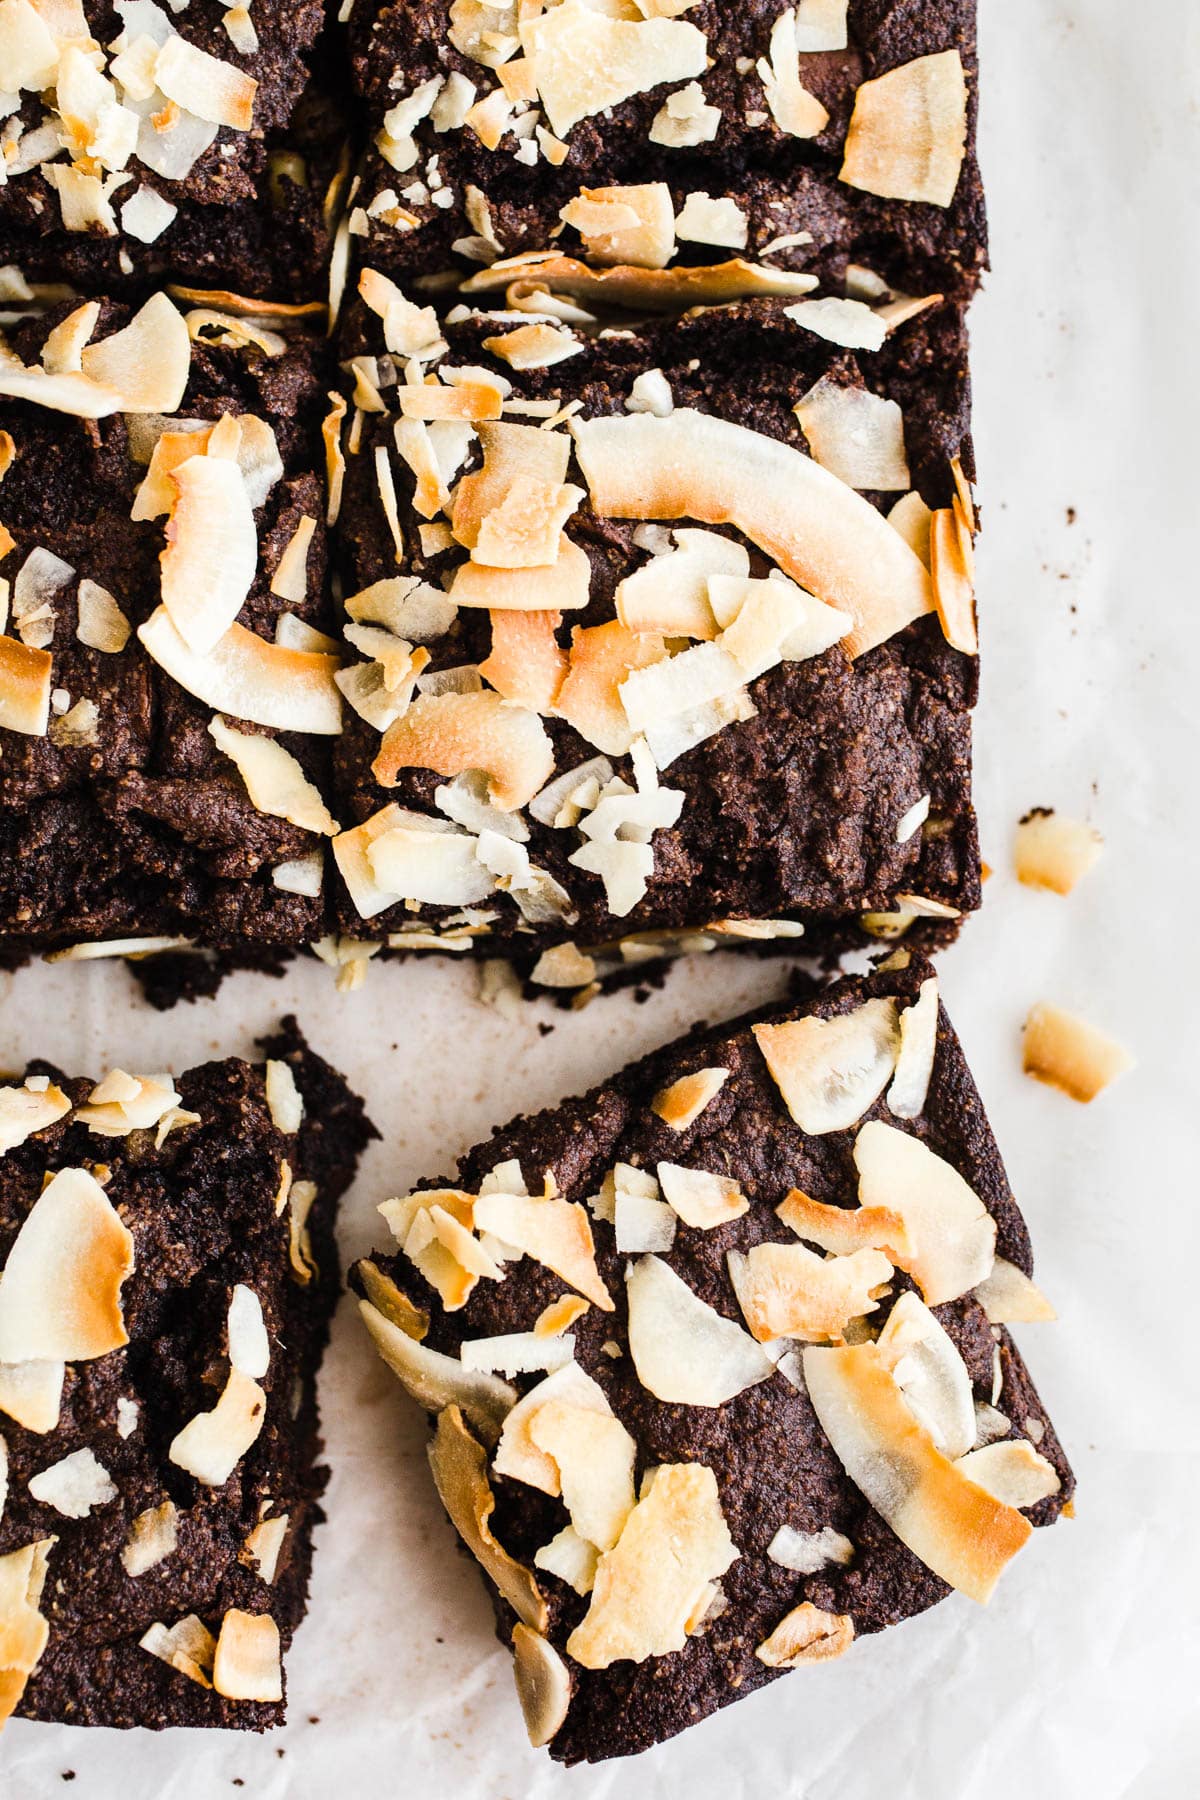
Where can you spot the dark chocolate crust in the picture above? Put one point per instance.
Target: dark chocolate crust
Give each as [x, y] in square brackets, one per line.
[150, 831]
[773, 1464]
[202, 1213]
[783, 184]
[792, 812]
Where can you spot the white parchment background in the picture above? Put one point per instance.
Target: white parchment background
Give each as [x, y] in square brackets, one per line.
[1081, 1678]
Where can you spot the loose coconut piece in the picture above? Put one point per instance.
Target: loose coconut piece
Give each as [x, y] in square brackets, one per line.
[60, 1298]
[246, 1663]
[681, 1102]
[951, 1234]
[683, 1350]
[786, 1290]
[451, 733]
[554, 1232]
[1066, 1052]
[950, 1522]
[648, 1589]
[908, 131]
[543, 1684]
[1054, 852]
[829, 539]
[459, 1464]
[243, 675]
[829, 1071]
[806, 1635]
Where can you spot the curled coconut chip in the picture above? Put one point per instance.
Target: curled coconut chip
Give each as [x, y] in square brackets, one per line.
[1012, 1472]
[786, 1290]
[806, 1635]
[554, 1232]
[211, 556]
[681, 1102]
[60, 1298]
[459, 1464]
[950, 1522]
[1066, 1052]
[841, 1230]
[677, 289]
[560, 585]
[594, 1455]
[650, 1586]
[244, 676]
[274, 779]
[908, 131]
[188, 1647]
[543, 1684]
[518, 1455]
[952, 573]
[451, 733]
[436, 1381]
[526, 664]
[822, 534]
[24, 1632]
[211, 1445]
[918, 1047]
[685, 1351]
[246, 1662]
[1054, 852]
[830, 1071]
[1009, 1297]
[921, 1358]
[952, 1236]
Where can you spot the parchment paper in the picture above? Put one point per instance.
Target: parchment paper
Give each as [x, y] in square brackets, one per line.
[1081, 1678]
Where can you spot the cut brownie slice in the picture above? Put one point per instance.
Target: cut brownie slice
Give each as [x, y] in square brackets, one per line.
[643, 652]
[169, 1274]
[145, 143]
[809, 137]
[166, 690]
[719, 1359]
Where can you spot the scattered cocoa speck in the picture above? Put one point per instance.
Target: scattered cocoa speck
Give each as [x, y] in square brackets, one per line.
[1072, 515]
[544, 1029]
[68, 1774]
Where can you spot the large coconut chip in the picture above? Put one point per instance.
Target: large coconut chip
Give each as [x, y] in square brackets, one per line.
[684, 1351]
[451, 733]
[1054, 852]
[24, 1633]
[1066, 1052]
[1009, 1297]
[631, 225]
[918, 1048]
[212, 550]
[25, 687]
[555, 1233]
[584, 61]
[24, 1110]
[60, 1298]
[543, 1684]
[246, 1663]
[146, 365]
[248, 678]
[648, 1588]
[1012, 1472]
[951, 1233]
[951, 1523]
[594, 1455]
[922, 1360]
[274, 779]
[211, 1445]
[670, 593]
[786, 1290]
[908, 131]
[681, 1102]
[830, 1071]
[436, 1381]
[459, 1464]
[31, 1393]
[672, 290]
[806, 1635]
[826, 537]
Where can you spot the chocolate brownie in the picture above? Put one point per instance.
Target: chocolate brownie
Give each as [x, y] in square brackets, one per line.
[169, 1274]
[166, 693]
[148, 143]
[643, 770]
[830, 134]
[720, 1361]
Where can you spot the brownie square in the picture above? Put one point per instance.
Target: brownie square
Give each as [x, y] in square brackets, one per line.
[770, 1267]
[831, 792]
[125, 811]
[170, 1263]
[486, 125]
[198, 149]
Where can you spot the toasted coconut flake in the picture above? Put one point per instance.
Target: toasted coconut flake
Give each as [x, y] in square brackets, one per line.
[243, 675]
[262, 1547]
[830, 1071]
[525, 530]
[74, 1486]
[908, 132]
[451, 733]
[543, 1684]
[290, 580]
[913, 520]
[211, 1445]
[827, 538]
[459, 1465]
[584, 61]
[845, 322]
[510, 453]
[806, 1635]
[122, 1103]
[931, 1375]
[249, 1344]
[204, 85]
[642, 1222]
[246, 1663]
[517, 1455]
[60, 1299]
[25, 684]
[952, 1235]
[795, 111]
[785, 1290]
[1066, 1052]
[1054, 852]
[681, 1103]
[821, 25]
[555, 1233]
[842, 1230]
[918, 1048]
[31, 1393]
[633, 225]
[212, 550]
[23, 1631]
[558, 586]
[24, 1110]
[560, 1314]
[676, 289]
[807, 1553]
[571, 1558]
[435, 1381]
[1009, 1297]
[388, 1299]
[953, 584]
[536, 346]
[601, 660]
[526, 664]
[951, 1523]
[145, 365]
[1012, 1472]
[705, 220]
[649, 1587]
[101, 623]
[670, 594]
[858, 436]
[517, 1352]
[594, 1456]
[284, 1101]
[188, 1647]
[153, 1536]
[684, 1351]
[702, 1200]
[274, 779]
